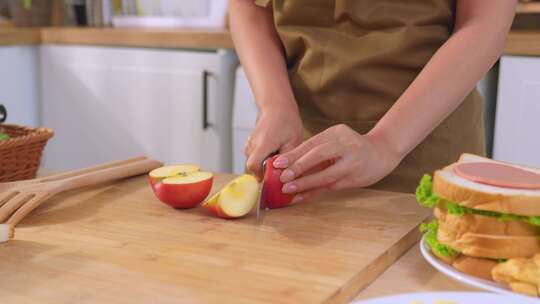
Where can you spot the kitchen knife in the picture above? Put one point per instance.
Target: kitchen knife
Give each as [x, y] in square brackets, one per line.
[261, 203]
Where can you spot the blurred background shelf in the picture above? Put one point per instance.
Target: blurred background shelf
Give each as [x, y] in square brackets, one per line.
[118, 13]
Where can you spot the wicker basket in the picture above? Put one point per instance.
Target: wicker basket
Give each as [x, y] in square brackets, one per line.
[20, 156]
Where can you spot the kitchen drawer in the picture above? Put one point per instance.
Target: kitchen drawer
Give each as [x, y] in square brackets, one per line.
[110, 103]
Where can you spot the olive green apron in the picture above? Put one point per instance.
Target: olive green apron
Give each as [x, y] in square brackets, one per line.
[350, 60]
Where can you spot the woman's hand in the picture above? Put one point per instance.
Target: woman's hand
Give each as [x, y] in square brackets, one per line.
[355, 161]
[261, 53]
[277, 129]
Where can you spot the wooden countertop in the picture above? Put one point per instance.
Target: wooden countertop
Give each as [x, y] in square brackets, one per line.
[525, 43]
[186, 38]
[13, 36]
[151, 38]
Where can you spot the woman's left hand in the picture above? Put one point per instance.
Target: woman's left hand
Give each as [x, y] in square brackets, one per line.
[355, 161]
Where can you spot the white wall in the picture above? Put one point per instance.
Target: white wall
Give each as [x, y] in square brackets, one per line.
[19, 84]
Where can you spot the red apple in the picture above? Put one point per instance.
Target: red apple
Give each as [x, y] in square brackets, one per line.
[185, 188]
[271, 193]
[236, 199]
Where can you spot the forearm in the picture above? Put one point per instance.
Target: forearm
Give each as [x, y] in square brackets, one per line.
[444, 82]
[261, 54]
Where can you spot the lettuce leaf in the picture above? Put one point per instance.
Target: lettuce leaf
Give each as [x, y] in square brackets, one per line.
[430, 232]
[533, 220]
[424, 192]
[456, 209]
[4, 136]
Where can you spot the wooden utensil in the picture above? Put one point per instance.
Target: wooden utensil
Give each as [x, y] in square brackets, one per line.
[13, 186]
[20, 199]
[18, 186]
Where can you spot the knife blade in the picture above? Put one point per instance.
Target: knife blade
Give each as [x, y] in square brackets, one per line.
[261, 203]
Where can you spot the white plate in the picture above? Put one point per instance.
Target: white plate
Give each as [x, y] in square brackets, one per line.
[447, 297]
[468, 279]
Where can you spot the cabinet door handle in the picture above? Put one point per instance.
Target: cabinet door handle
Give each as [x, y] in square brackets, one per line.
[206, 124]
[3, 113]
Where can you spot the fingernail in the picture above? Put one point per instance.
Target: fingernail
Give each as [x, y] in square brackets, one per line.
[297, 199]
[281, 162]
[289, 188]
[287, 176]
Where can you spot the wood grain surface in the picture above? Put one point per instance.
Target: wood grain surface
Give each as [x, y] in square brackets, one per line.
[140, 37]
[17, 36]
[129, 37]
[523, 43]
[118, 244]
[519, 42]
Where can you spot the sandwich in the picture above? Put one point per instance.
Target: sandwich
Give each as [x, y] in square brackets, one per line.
[485, 213]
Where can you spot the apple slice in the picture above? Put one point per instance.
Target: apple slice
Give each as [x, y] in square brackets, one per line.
[239, 197]
[185, 188]
[211, 204]
[236, 199]
[158, 174]
[272, 191]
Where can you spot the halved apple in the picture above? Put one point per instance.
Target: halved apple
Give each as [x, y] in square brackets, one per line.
[186, 187]
[158, 174]
[272, 191]
[236, 199]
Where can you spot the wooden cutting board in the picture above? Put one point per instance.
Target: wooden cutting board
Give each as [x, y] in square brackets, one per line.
[118, 244]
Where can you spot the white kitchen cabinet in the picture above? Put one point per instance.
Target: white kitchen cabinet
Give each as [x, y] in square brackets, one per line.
[244, 119]
[108, 103]
[19, 84]
[517, 122]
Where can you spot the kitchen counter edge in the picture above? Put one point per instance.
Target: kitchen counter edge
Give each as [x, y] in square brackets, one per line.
[520, 43]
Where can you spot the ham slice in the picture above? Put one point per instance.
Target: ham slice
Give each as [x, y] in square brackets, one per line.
[500, 175]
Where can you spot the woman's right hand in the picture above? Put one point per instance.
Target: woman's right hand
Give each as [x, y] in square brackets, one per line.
[261, 53]
[277, 129]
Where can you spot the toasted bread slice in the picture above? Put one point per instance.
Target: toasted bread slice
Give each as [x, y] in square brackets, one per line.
[480, 224]
[478, 267]
[486, 245]
[524, 288]
[449, 186]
